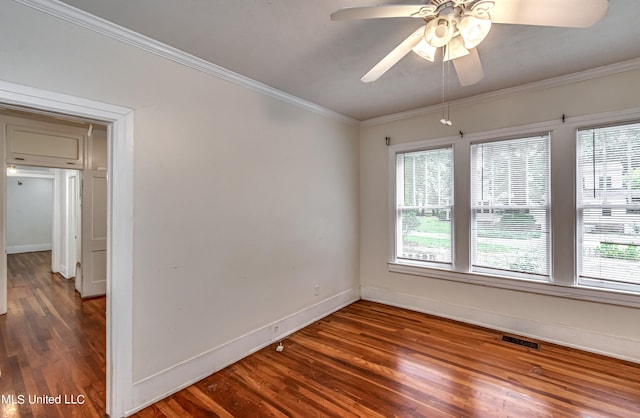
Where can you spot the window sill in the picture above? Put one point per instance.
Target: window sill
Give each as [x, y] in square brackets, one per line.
[611, 297]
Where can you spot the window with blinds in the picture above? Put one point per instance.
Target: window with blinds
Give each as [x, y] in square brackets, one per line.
[510, 200]
[424, 205]
[608, 206]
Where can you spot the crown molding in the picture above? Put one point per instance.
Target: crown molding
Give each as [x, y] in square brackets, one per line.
[96, 24]
[589, 74]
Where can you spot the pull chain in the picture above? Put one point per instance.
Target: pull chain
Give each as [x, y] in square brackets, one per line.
[446, 120]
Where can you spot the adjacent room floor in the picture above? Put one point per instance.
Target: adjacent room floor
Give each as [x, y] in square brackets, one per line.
[52, 344]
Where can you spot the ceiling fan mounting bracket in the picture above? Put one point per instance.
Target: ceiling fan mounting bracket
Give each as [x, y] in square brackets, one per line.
[451, 9]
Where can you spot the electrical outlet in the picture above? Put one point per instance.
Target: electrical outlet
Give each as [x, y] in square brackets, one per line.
[316, 290]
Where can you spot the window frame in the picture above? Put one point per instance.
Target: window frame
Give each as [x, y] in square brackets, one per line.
[563, 262]
[606, 210]
[396, 232]
[547, 209]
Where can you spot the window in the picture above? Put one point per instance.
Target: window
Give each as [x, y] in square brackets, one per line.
[608, 211]
[513, 224]
[510, 207]
[424, 201]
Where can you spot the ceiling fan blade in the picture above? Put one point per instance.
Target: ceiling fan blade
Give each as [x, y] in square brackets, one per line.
[382, 11]
[566, 13]
[469, 68]
[394, 56]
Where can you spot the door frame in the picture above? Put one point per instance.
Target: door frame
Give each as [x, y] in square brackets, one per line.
[72, 213]
[119, 315]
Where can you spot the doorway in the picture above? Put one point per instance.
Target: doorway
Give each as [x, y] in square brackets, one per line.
[45, 146]
[43, 225]
[43, 214]
[119, 303]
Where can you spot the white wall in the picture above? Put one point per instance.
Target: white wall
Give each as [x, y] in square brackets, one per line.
[243, 203]
[594, 326]
[29, 214]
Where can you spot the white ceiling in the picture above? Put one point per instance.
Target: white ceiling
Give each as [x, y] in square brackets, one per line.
[292, 45]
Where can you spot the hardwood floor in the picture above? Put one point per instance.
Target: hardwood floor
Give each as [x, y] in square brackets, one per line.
[371, 360]
[366, 360]
[51, 344]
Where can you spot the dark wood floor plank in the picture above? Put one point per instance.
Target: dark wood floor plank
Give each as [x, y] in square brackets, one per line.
[361, 381]
[372, 360]
[53, 342]
[307, 378]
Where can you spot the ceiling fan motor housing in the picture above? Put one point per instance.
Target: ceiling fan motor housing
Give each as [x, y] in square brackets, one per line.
[468, 19]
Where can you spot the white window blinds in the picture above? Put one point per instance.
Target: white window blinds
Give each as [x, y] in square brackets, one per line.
[423, 205]
[608, 206]
[510, 206]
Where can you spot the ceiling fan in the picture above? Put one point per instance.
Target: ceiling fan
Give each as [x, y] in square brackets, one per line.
[458, 26]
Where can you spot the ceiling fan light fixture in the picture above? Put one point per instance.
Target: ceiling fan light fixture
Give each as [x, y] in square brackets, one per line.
[460, 25]
[455, 49]
[473, 30]
[438, 32]
[424, 50]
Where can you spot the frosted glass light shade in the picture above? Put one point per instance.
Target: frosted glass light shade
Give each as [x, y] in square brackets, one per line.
[438, 32]
[424, 50]
[473, 30]
[455, 49]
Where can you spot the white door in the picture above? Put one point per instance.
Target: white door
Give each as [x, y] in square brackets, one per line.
[94, 233]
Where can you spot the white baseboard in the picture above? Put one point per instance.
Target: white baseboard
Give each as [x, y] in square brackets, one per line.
[162, 384]
[595, 342]
[29, 248]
